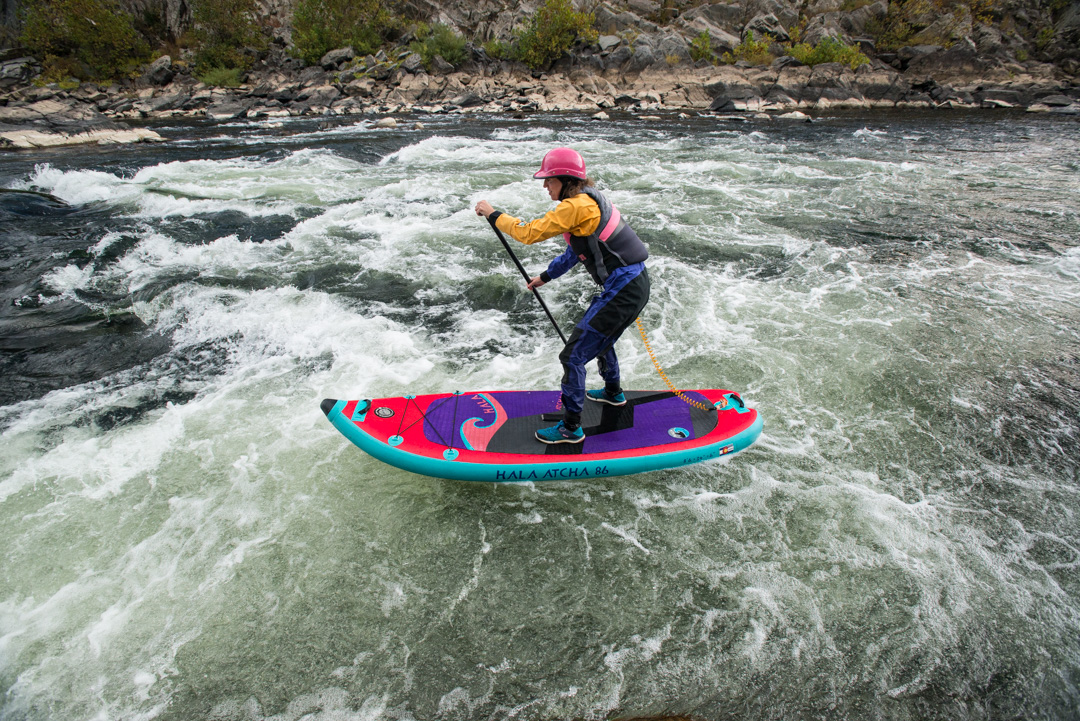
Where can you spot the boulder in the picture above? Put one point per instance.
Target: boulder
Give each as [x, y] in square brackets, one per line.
[361, 87]
[467, 100]
[643, 8]
[165, 102]
[821, 27]
[319, 95]
[413, 63]
[17, 71]
[959, 60]
[720, 40]
[856, 22]
[333, 59]
[1057, 101]
[766, 24]
[910, 54]
[607, 42]
[722, 104]
[226, 111]
[439, 65]
[386, 123]
[723, 16]
[28, 139]
[785, 12]
[160, 72]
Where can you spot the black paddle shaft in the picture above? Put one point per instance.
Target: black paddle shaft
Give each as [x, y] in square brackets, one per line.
[525, 275]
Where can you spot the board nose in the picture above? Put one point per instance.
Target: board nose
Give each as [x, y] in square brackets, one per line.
[328, 405]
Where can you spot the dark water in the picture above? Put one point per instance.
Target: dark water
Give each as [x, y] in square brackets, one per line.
[186, 537]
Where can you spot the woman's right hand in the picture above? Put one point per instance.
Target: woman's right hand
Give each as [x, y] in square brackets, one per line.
[535, 283]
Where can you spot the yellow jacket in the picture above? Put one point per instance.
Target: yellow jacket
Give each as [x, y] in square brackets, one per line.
[579, 215]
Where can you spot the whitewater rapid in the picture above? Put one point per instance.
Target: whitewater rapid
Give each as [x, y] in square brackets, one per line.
[185, 536]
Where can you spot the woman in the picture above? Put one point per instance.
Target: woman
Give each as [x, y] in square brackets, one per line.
[614, 257]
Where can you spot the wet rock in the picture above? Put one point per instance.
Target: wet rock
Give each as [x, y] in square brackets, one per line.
[722, 104]
[1057, 101]
[29, 139]
[386, 123]
[795, 115]
[226, 111]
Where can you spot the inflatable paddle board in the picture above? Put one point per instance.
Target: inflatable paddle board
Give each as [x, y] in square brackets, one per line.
[488, 435]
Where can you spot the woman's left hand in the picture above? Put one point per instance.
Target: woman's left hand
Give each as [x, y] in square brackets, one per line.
[484, 208]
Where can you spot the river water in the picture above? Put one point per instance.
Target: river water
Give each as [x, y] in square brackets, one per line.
[184, 536]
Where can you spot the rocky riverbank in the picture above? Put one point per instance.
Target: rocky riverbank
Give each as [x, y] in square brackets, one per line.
[638, 67]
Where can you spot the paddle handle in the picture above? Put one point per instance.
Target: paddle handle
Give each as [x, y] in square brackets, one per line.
[528, 279]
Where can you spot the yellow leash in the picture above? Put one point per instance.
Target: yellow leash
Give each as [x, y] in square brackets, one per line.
[670, 385]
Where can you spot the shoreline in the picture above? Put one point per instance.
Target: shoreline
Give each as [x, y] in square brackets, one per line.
[49, 116]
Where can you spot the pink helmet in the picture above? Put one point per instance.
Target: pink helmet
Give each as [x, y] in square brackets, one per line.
[562, 161]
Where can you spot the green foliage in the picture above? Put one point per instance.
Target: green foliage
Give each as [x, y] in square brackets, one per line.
[223, 30]
[440, 40]
[320, 26]
[222, 77]
[892, 33]
[498, 50]
[551, 31]
[755, 52]
[829, 50]
[87, 39]
[1044, 38]
[701, 48]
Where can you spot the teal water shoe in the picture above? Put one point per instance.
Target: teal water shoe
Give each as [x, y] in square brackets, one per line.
[602, 396]
[559, 433]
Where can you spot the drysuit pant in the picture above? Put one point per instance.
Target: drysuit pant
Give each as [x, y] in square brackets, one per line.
[609, 314]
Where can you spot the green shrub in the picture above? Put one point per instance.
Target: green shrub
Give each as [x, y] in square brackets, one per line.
[701, 47]
[551, 31]
[755, 52]
[222, 77]
[87, 39]
[829, 50]
[320, 26]
[498, 50]
[224, 29]
[1044, 38]
[441, 40]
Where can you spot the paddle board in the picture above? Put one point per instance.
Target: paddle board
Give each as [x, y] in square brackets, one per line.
[488, 435]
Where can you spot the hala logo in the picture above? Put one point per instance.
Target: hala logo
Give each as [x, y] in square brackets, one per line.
[384, 412]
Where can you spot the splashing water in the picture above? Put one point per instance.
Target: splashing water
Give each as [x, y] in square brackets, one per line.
[184, 536]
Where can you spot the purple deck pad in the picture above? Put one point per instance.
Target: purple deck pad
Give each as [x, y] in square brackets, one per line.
[653, 421]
